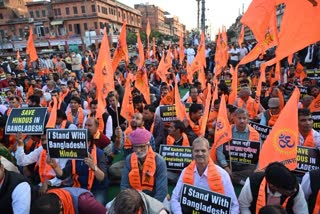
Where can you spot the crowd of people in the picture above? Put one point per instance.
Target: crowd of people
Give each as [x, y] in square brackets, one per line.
[124, 151]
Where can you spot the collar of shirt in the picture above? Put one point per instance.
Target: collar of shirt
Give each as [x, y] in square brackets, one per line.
[276, 194]
[205, 173]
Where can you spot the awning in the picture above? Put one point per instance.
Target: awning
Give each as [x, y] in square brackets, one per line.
[56, 22]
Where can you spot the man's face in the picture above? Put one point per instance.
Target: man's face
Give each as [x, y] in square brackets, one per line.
[171, 129]
[197, 115]
[140, 150]
[314, 92]
[137, 120]
[241, 121]
[13, 103]
[94, 108]
[275, 110]
[194, 93]
[200, 153]
[63, 88]
[305, 123]
[138, 105]
[75, 94]
[12, 86]
[91, 126]
[113, 101]
[74, 105]
[244, 96]
[147, 115]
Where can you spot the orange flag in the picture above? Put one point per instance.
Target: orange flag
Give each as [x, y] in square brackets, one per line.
[141, 52]
[222, 133]
[298, 29]
[224, 47]
[121, 52]
[241, 36]
[18, 54]
[127, 109]
[234, 85]
[104, 75]
[200, 60]
[181, 49]
[142, 84]
[281, 144]
[180, 108]
[315, 104]
[262, 9]
[290, 59]
[204, 118]
[53, 115]
[164, 65]
[31, 50]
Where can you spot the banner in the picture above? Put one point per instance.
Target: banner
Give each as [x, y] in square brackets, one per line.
[313, 74]
[197, 200]
[303, 91]
[308, 159]
[28, 121]
[67, 143]
[176, 157]
[263, 130]
[242, 151]
[316, 120]
[168, 113]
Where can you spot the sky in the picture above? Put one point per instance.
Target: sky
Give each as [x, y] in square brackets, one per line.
[218, 13]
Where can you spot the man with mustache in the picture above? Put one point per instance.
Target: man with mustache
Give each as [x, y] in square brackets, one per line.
[144, 169]
[203, 173]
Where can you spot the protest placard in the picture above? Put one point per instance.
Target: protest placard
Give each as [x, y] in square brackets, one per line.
[303, 91]
[197, 200]
[313, 74]
[316, 120]
[176, 157]
[263, 130]
[308, 159]
[242, 151]
[168, 113]
[67, 143]
[28, 121]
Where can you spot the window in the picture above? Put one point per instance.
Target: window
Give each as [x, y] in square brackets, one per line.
[1, 16]
[38, 14]
[104, 10]
[59, 11]
[75, 10]
[31, 14]
[99, 8]
[44, 13]
[55, 11]
[83, 9]
[93, 8]
[101, 25]
[70, 27]
[85, 26]
[67, 11]
[95, 25]
[21, 33]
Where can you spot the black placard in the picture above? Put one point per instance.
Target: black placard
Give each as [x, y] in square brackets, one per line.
[303, 91]
[308, 159]
[316, 120]
[242, 151]
[197, 200]
[176, 157]
[168, 113]
[313, 74]
[261, 129]
[28, 121]
[67, 143]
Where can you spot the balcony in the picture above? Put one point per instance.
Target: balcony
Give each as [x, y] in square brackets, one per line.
[20, 20]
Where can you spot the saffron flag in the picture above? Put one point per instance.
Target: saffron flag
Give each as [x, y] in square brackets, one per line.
[180, 108]
[200, 60]
[31, 50]
[164, 65]
[257, 17]
[234, 85]
[222, 132]
[142, 84]
[204, 118]
[53, 114]
[141, 52]
[104, 75]
[241, 36]
[181, 49]
[315, 104]
[281, 144]
[298, 29]
[121, 52]
[127, 109]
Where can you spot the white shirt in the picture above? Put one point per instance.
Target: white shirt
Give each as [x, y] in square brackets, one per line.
[109, 127]
[234, 51]
[243, 52]
[202, 182]
[316, 139]
[190, 55]
[245, 198]
[21, 198]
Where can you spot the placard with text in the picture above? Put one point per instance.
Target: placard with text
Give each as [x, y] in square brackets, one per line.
[168, 113]
[308, 159]
[176, 157]
[261, 129]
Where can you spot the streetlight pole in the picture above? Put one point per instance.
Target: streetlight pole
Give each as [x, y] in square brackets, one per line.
[203, 16]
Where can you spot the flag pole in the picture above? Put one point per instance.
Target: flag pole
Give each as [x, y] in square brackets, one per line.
[230, 165]
[117, 114]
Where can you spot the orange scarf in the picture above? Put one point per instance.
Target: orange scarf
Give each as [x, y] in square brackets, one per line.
[214, 177]
[80, 117]
[199, 101]
[185, 141]
[44, 168]
[148, 172]
[63, 95]
[250, 106]
[75, 176]
[316, 209]
[63, 124]
[127, 142]
[308, 142]
[261, 201]
[66, 200]
[273, 119]
[195, 128]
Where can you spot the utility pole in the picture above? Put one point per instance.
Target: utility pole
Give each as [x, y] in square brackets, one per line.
[203, 16]
[198, 15]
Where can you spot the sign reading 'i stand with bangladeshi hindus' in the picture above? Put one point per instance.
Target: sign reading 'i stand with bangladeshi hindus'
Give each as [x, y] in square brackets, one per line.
[67, 143]
[28, 121]
[197, 200]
